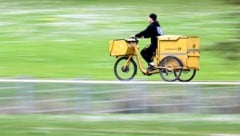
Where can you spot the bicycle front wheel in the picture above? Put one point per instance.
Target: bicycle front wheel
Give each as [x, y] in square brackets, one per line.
[125, 70]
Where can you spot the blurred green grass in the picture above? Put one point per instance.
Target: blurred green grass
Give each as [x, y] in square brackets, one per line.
[120, 125]
[69, 39]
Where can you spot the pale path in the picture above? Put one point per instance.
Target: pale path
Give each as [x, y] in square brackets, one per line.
[117, 82]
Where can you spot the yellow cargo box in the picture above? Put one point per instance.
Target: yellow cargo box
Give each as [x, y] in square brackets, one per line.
[120, 48]
[185, 48]
[193, 52]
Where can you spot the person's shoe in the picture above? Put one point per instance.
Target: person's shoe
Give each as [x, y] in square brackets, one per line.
[150, 68]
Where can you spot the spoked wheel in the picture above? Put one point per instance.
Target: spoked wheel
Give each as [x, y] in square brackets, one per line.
[170, 68]
[124, 70]
[187, 75]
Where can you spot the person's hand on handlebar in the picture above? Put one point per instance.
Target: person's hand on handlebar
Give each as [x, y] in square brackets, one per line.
[133, 36]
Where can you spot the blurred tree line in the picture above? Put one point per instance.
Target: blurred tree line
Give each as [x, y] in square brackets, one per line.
[234, 1]
[230, 49]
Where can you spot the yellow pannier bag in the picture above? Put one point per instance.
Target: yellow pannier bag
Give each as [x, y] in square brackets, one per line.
[120, 48]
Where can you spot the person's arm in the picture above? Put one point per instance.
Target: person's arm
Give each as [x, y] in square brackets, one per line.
[145, 33]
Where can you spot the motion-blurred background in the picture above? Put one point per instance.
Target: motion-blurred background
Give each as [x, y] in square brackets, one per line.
[53, 39]
[64, 39]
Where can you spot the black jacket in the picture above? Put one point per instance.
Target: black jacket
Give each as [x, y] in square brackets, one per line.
[152, 31]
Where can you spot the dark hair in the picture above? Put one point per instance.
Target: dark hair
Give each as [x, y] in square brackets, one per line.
[153, 16]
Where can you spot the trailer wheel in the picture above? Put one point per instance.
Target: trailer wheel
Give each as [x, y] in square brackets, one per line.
[170, 68]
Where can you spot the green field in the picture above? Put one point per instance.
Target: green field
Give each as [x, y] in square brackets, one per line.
[69, 39]
[120, 125]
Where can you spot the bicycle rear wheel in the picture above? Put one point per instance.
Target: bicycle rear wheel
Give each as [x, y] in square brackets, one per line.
[124, 70]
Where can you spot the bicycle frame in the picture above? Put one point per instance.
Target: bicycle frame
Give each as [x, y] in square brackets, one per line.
[139, 61]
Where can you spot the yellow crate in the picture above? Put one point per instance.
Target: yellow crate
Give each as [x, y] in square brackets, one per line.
[120, 48]
[193, 52]
[172, 44]
[185, 48]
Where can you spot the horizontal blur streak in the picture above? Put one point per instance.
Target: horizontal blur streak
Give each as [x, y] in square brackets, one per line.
[116, 125]
[72, 97]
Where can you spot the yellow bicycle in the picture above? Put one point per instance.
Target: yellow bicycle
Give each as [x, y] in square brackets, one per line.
[176, 58]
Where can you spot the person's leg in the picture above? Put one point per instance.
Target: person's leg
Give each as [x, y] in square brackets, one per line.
[147, 54]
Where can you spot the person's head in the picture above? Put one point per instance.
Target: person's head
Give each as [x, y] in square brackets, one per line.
[152, 18]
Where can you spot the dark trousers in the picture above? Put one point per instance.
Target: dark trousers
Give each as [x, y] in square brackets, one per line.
[147, 53]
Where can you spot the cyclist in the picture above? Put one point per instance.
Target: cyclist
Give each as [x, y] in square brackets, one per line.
[152, 31]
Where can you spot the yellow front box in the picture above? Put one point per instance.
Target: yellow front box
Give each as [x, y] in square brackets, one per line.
[120, 48]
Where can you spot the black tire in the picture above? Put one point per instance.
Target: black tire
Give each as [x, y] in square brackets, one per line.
[127, 73]
[170, 68]
[187, 75]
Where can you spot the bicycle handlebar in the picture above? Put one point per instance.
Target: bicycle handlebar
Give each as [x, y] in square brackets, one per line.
[132, 39]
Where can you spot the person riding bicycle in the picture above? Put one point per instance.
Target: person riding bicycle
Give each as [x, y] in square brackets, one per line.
[152, 31]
